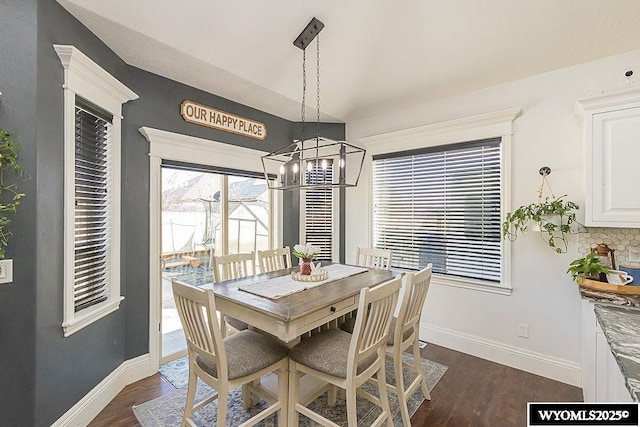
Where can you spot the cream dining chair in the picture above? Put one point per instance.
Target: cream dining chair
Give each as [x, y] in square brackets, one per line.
[224, 364]
[348, 360]
[403, 334]
[374, 258]
[228, 267]
[274, 259]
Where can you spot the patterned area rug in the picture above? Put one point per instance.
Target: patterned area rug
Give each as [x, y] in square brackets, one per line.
[176, 372]
[196, 276]
[167, 410]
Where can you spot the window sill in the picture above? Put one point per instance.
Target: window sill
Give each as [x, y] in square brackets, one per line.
[98, 312]
[476, 285]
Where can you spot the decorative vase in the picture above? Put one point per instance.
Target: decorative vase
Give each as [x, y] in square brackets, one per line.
[305, 266]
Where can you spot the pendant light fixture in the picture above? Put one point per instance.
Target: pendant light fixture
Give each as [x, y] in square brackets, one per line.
[315, 162]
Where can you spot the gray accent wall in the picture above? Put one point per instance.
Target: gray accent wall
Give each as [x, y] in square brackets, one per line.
[18, 66]
[42, 373]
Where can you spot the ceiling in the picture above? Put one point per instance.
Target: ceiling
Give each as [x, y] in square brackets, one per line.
[375, 55]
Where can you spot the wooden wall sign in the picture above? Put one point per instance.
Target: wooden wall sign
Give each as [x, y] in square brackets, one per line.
[199, 114]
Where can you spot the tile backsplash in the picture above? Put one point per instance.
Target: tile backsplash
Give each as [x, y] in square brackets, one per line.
[620, 239]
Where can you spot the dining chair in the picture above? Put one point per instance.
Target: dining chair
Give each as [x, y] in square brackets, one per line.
[224, 364]
[348, 360]
[374, 258]
[403, 334]
[274, 259]
[233, 266]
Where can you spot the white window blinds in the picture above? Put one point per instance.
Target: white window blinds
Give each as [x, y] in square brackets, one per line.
[441, 206]
[318, 214]
[92, 202]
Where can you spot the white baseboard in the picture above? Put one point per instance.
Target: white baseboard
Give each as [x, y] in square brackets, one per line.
[99, 397]
[562, 370]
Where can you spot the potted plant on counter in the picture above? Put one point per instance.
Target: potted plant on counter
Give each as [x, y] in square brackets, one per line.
[588, 267]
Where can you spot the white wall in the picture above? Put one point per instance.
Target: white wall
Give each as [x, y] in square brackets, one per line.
[547, 133]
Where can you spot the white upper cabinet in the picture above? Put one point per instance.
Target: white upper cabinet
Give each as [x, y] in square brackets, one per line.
[612, 163]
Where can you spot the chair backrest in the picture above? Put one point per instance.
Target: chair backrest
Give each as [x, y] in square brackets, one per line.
[375, 311]
[274, 259]
[234, 266]
[416, 287]
[374, 258]
[197, 310]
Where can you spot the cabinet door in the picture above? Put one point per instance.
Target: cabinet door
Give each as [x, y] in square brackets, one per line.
[610, 383]
[613, 162]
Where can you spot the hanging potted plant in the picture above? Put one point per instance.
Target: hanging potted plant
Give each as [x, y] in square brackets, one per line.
[9, 195]
[552, 216]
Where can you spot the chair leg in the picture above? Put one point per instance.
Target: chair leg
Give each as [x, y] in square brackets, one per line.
[400, 390]
[247, 397]
[191, 395]
[294, 386]
[420, 369]
[331, 395]
[352, 410]
[223, 401]
[283, 395]
[382, 389]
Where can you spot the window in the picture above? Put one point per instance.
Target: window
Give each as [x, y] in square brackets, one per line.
[93, 199]
[441, 205]
[319, 215]
[92, 112]
[210, 210]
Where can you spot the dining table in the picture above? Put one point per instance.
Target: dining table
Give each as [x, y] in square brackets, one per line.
[291, 316]
[297, 312]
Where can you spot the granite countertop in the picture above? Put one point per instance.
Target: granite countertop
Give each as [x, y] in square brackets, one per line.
[621, 327]
[609, 297]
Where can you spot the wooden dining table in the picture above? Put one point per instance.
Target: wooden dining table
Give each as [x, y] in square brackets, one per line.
[291, 316]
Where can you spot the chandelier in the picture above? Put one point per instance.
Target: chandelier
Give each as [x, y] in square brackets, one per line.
[315, 162]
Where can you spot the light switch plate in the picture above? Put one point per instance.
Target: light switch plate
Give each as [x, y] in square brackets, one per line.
[6, 271]
[634, 253]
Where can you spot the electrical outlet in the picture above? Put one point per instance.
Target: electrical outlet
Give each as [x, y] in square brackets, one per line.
[6, 271]
[422, 344]
[523, 330]
[634, 253]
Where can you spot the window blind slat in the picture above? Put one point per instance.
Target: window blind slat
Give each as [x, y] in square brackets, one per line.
[441, 207]
[92, 202]
[318, 214]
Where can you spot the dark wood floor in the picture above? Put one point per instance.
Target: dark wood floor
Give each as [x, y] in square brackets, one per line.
[473, 392]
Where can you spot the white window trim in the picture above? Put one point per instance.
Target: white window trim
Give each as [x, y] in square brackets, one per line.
[183, 148]
[335, 229]
[85, 78]
[496, 124]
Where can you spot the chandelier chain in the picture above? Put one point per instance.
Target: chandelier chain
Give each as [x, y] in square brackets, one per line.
[317, 88]
[304, 89]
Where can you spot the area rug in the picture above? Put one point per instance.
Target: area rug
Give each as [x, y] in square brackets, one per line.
[176, 372]
[167, 410]
[196, 276]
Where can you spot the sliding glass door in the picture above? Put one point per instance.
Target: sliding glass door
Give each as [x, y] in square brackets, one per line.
[205, 213]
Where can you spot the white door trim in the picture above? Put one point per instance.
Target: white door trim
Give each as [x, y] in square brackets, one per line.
[173, 146]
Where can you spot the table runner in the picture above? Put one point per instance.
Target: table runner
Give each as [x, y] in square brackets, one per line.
[282, 286]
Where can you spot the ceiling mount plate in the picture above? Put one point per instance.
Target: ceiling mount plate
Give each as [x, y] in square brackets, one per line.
[309, 33]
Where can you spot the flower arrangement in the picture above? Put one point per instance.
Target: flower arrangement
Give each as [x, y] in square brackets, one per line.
[307, 254]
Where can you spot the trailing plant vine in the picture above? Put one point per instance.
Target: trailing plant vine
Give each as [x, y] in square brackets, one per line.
[9, 195]
[554, 233]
